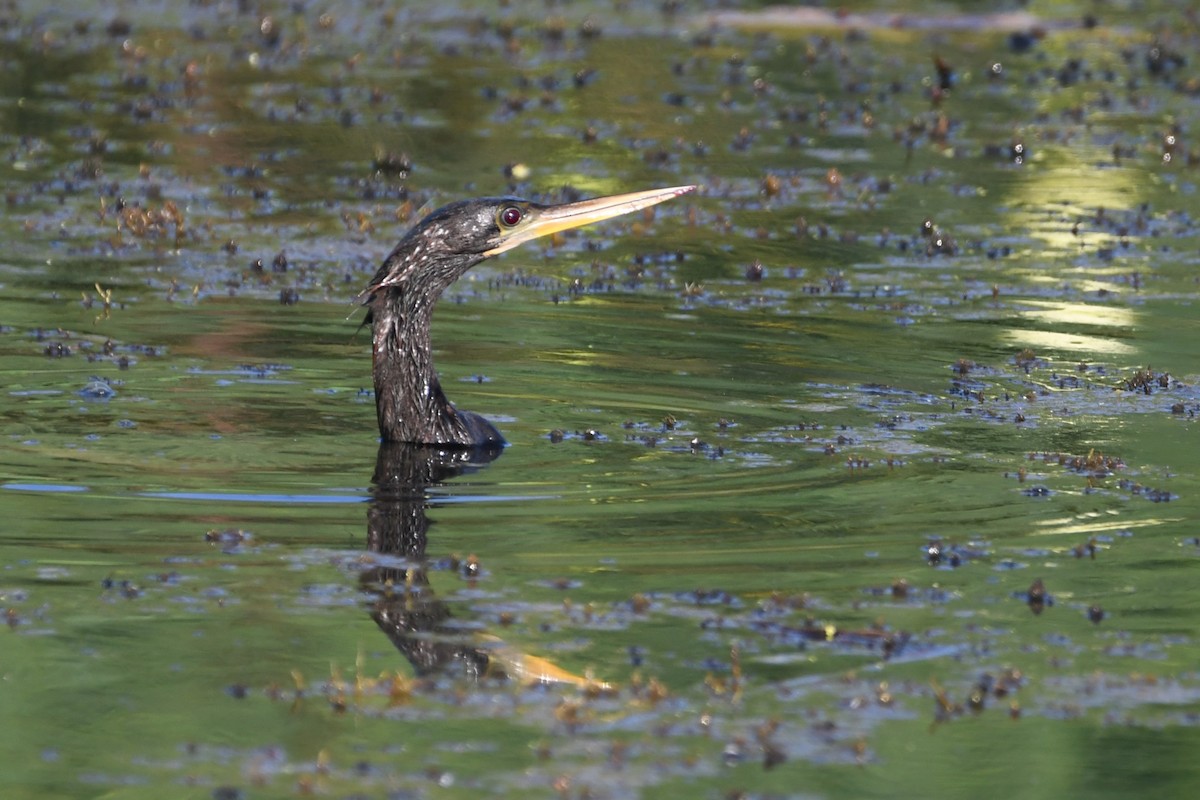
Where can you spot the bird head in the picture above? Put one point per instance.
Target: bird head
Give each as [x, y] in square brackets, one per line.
[456, 237]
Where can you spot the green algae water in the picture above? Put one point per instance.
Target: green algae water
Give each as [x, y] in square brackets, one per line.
[868, 470]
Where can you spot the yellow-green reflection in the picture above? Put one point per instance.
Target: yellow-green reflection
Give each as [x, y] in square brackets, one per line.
[1053, 312]
[1066, 180]
[1067, 342]
[1074, 315]
[1096, 523]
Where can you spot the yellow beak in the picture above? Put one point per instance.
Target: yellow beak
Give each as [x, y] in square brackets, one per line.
[540, 222]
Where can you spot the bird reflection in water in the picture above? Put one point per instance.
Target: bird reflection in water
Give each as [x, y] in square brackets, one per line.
[404, 605]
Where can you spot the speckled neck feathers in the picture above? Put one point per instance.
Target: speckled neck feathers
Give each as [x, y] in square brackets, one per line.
[409, 401]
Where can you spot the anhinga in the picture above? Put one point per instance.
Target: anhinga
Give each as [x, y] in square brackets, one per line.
[409, 401]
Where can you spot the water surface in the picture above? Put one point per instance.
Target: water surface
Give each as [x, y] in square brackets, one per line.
[788, 457]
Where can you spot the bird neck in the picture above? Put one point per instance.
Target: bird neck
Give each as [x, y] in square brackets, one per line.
[409, 401]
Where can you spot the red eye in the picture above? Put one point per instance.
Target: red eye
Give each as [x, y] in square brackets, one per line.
[511, 216]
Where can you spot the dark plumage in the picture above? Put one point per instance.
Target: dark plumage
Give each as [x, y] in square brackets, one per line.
[409, 402]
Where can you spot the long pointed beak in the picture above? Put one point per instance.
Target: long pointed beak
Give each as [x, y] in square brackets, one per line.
[546, 221]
